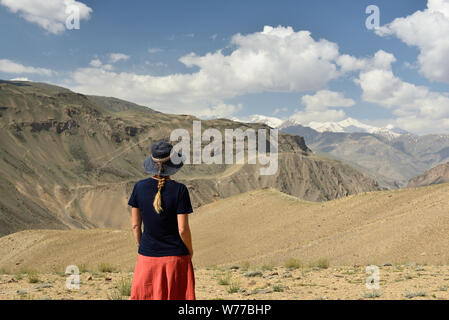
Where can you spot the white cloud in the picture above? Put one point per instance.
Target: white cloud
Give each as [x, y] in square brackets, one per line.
[48, 14]
[384, 88]
[115, 57]
[317, 108]
[20, 79]
[9, 66]
[279, 110]
[306, 117]
[275, 59]
[155, 50]
[380, 60]
[221, 110]
[417, 108]
[428, 30]
[96, 63]
[324, 99]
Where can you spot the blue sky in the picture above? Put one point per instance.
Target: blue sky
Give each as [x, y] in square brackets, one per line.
[167, 57]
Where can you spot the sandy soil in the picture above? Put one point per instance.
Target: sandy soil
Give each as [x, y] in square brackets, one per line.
[267, 226]
[396, 282]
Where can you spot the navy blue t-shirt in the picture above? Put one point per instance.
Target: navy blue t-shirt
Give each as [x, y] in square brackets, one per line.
[160, 236]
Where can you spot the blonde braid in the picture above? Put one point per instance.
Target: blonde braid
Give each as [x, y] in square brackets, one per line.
[157, 203]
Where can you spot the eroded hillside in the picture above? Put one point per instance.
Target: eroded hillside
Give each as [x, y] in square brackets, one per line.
[70, 160]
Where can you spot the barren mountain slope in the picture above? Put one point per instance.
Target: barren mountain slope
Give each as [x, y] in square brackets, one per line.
[439, 174]
[390, 160]
[68, 162]
[400, 226]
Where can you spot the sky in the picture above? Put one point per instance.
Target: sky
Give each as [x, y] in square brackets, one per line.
[306, 61]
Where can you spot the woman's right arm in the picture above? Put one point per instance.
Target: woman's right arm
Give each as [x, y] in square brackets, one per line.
[184, 231]
[136, 220]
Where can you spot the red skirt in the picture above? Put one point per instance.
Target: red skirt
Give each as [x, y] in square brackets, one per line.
[163, 278]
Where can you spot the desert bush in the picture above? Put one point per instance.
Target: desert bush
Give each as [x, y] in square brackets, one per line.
[224, 280]
[124, 286]
[293, 263]
[106, 267]
[372, 295]
[83, 268]
[278, 288]
[234, 287]
[4, 271]
[115, 295]
[267, 266]
[415, 294]
[33, 277]
[245, 265]
[322, 263]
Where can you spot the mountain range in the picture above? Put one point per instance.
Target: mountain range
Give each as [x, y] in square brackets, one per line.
[389, 155]
[69, 160]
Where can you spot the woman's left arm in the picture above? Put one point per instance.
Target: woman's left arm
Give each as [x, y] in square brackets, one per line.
[136, 220]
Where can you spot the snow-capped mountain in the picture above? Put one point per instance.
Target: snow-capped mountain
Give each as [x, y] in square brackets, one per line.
[257, 118]
[349, 125]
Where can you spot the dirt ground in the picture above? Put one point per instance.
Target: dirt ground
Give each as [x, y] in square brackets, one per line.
[409, 281]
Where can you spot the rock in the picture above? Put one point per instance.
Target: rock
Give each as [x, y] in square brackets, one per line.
[234, 267]
[90, 278]
[287, 275]
[419, 269]
[263, 291]
[44, 286]
[21, 292]
[274, 273]
[253, 274]
[388, 264]
[107, 279]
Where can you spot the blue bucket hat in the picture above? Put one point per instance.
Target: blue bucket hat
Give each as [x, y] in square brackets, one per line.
[163, 161]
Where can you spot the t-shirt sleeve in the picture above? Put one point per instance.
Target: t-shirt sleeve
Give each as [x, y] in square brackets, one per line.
[184, 204]
[133, 199]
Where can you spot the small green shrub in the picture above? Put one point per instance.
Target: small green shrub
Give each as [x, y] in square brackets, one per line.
[115, 295]
[4, 271]
[124, 286]
[411, 295]
[372, 295]
[234, 287]
[267, 266]
[278, 288]
[245, 265]
[293, 263]
[224, 280]
[106, 267]
[33, 277]
[321, 263]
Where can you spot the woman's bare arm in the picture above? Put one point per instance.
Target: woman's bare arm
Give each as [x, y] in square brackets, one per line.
[184, 231]
[136, 220]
